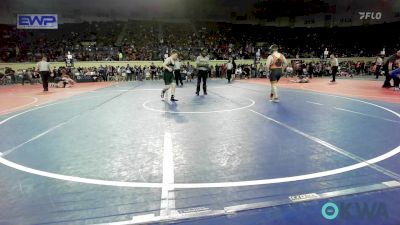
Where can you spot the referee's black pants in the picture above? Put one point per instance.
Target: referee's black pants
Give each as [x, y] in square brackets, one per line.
[334, 72]
[45, 79]
[202, 74]
[229, 75]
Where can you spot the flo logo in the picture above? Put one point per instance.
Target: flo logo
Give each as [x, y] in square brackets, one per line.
[351, 210]
[370, 15]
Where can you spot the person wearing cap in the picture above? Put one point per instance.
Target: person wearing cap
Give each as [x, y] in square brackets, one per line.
[168, 66]
[202, 63]
[44, 68]
[276, 63]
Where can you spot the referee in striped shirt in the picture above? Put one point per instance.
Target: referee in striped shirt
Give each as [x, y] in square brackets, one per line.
[334, 66]
[44, 69]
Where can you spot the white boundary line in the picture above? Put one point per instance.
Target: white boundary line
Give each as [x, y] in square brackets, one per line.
[22, 106]
[61, 101]
[211, 185]
[231, 210]
[315, 103]
[377, 98]
[330, 146]
[167, 191]
[5, 153]
[201, 112]
[367, 115]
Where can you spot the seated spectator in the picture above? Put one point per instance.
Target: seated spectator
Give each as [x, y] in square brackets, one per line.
[239, 72]
[10, 73]
[27, 76]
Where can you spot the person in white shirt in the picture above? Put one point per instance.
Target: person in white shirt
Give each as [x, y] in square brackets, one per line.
[378, 63]
[45, 70]
[147, 73]
[189, 73]
[177, 72]
[334, 66]
[238, 72]
[229, 68]
[276, 63]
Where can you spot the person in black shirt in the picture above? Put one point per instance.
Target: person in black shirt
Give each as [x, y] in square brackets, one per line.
[203, 67]
[311, 70]
[153, 71]
[128, 71]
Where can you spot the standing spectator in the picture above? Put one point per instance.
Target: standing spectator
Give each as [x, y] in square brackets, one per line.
[358, 67]
[311, 70]
[229, 70]
[147, 73]
[102, 73]
[211, 71]
[378, 65]
[128, 72]
[153, 70]
[217, 72]
[363, 67]
[189, 73]
[318, 69]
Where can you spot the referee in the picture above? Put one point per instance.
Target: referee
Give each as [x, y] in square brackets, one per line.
[202, 63]
[334, 65]
[44, 69]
